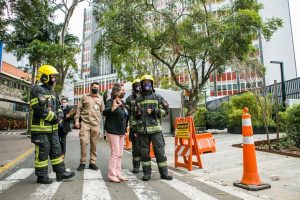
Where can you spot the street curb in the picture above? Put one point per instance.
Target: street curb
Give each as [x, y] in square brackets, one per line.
[15, 161]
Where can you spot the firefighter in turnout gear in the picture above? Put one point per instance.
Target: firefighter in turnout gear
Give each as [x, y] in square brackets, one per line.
[133, 136]
[150, 108]
[45, 117]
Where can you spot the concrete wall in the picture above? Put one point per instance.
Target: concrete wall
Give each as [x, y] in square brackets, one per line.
[280, 47]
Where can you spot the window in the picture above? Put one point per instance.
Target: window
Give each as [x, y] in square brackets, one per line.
[234, 86]
[224, 87]
[229, 87]
[243, 86]
[219, 88]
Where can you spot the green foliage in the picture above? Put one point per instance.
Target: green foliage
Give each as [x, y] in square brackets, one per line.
[291, 119]
[200, 116]
[196, 39]
[234, 110]
[216, 120]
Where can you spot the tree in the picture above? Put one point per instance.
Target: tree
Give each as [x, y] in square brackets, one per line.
[254, 72]
[36, 36]
[185, 34]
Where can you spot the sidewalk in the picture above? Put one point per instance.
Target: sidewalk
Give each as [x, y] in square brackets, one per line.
[226, 166]
[13, 132]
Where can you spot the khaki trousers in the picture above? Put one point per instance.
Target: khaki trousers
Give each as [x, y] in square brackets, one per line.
[89, 133]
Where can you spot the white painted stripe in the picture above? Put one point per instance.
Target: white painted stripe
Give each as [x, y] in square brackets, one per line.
[246, 122]
[46, 191]
[180, 151]
[248, 140]
[94, 187]
[188, 152]
[190, 191]
[141, 190]
[208, 142]
[15, 178]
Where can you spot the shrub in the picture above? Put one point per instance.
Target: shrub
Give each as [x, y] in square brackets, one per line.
[292, 121]
[200, 116]
[233, 110]
[216, 119]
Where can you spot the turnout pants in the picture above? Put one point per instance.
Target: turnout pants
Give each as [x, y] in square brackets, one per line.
[136, 157]
[89, 133]
[47, 145]
[158, 143]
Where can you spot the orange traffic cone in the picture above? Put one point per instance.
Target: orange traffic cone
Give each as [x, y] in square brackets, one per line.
[128, 144]
[250, 180]
[151, 151]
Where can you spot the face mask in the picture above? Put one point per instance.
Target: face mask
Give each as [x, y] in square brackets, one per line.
[52, 81]
[94, 90]
[137, 88]
[147, 86]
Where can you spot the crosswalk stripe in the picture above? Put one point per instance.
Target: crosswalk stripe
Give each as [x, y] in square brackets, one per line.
[188, 190]
[46, 192]
[16, 177]
[140, 189]
[94, 187]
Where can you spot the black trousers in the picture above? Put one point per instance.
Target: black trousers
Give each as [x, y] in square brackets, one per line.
[62, 140]
[136, 155]
[158, 143]
[47, 145]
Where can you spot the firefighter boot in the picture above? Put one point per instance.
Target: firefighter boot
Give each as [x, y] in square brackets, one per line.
[64, 175]
[146, 177]
[44, 180]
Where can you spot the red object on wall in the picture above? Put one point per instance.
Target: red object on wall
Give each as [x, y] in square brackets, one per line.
[212, 93]
[224, 92]
[211, 78]
[230, 92]
[224, 77]
[229, 76]
[234, 76]
[234, 91]
[218, 77]
[219, 93]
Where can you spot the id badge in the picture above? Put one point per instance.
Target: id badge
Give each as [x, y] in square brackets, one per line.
[97, 107]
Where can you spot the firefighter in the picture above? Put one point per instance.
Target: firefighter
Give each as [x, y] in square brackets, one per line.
[46, 115]
[151, 107]
[133, 136]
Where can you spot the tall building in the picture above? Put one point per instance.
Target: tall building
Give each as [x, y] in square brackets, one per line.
[279, 48]
[100, 71]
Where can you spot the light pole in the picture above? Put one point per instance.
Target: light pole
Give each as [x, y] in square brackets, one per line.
[282, 81]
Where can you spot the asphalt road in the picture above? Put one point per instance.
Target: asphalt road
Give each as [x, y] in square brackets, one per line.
[20, 181]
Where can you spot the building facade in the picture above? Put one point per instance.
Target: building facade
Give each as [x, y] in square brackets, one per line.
[14, 85]
[100, 71]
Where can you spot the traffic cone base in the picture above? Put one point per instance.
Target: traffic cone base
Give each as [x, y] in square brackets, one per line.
[250, 180]
[261, 186]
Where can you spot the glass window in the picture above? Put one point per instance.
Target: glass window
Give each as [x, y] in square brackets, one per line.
[234, 86]
[243, 86]
[224, 87]
[219, 88]
[229, 87]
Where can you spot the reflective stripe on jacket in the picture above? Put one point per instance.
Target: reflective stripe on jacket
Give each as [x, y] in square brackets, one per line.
[45, 107]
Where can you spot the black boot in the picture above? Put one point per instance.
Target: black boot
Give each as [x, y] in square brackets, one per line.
[93, 167]
[81, 167]
[166, 177]
[135, 170]
[146, 177]
[64, 175]
[44, 180]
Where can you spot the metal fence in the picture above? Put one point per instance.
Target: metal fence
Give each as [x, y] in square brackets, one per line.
[292, 88]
